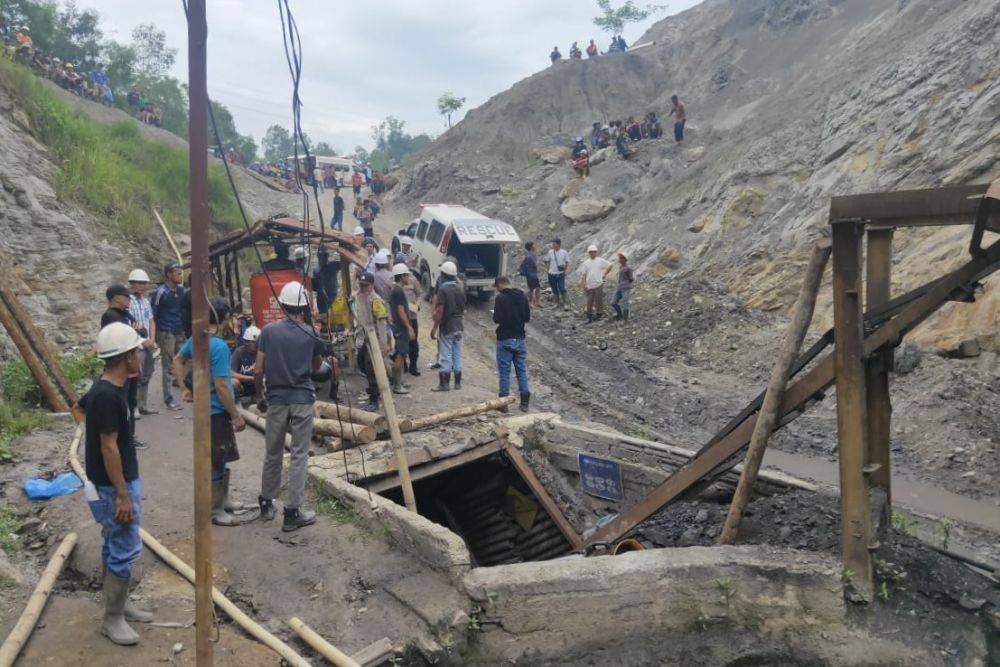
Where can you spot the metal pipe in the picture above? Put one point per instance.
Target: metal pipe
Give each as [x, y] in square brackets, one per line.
[198, 163]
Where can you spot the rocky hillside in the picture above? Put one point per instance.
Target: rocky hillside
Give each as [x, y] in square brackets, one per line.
[789, 102]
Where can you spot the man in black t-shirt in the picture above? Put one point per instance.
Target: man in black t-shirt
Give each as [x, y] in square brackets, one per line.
[114, 489]
[338, 211]
[402, 329]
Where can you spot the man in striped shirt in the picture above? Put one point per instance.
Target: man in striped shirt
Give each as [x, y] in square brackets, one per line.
[142, 314]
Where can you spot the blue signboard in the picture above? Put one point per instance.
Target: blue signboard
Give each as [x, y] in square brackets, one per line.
[600, 477]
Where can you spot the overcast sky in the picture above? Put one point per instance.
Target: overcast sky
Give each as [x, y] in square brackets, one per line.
[366, 59]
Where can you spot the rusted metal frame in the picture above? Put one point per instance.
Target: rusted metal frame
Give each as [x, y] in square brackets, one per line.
[542, 494]
[877, 367]
[813, 382]
[852, 413]
[905, 206]
[36, 339]
[433, 468]
[239, 285]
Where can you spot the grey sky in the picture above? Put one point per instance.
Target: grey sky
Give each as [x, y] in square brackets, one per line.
[367, 59]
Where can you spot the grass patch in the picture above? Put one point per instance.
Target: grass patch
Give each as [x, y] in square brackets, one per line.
[18, 386]
[338, 511]
[15, 421]
[10, 523]
[112, 169]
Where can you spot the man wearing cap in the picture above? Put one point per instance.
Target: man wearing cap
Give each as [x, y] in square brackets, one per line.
[402, 328]
[449, 310]
[114, 489]
[288, 354]
[384, 280]
[225, 416]
[625, 279]
[371, 311]
[168, 306]
[118, 311]
[558, 260]
[593, 271]
[142, 314]
[511, 312]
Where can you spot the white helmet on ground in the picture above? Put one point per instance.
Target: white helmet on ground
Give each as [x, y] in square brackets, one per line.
[592, 248]
[382, 256]
[115, 339]
[138, 276]
[293, 294]
[449, 269]
[251, 334]
[400, 269]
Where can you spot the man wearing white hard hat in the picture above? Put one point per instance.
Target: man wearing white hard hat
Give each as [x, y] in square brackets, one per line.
[384, 280]
[593, 271]
[142, 314]
[244, 362]
[114, 488]
[449, 310]
[288, 354]
[402, 328]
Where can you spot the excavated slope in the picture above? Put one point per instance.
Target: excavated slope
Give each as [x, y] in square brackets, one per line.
[789, 103]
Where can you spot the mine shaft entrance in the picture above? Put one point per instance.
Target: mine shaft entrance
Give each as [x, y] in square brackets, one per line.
[494, 508]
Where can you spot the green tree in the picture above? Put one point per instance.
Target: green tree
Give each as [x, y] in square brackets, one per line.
[246, 148]
[171, 97]
[448, 104]
[153, 57]
[120, 67]
[323, 148]
[276, 144]
[393, 143]
[614, 20]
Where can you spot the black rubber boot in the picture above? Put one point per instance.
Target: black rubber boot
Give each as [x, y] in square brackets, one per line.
[525, 399]
[267, 509]
[458, 380]
[444, 379]
[618, 311]
[334, 391]
[414, 369]
[504, 408]
[625, 315]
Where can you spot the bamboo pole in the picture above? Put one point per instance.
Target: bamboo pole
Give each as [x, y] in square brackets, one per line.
[320, 645]
[36, 339]
[249, 626]
[358, 416]
[18, 637]
[344, 430]
[260, 423]
[802, 315]
[49, 391]
[170, 239]
[458, 413]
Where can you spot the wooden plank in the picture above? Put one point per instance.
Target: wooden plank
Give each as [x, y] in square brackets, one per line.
[435, 467]
[852, 416]
[542, 494]
[457, 413]
[374, 654]
[878, 288]
[961, 200]
[50, 391]
[36, 339]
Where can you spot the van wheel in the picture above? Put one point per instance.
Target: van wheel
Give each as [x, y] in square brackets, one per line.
[425, 284]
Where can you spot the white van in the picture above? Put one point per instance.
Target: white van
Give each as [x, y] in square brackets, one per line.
[343, 167]
[477, 244]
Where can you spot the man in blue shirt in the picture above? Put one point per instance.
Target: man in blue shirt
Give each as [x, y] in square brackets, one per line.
[168, 304]
[226, 418]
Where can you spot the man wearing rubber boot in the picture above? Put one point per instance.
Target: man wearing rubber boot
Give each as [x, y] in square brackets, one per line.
[288, 352]
[114, 489]
[226, 418]
[449, 310]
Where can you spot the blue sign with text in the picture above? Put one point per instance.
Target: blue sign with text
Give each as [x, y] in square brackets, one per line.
[600, 477]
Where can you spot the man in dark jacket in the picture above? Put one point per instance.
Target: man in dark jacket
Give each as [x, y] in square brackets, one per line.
[511, 312]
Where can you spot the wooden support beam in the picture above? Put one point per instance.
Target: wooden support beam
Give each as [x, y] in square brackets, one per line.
[852, 421]
[802, 314]
[542, 495]
[877, 367]
[320, 645]
[348, 431]
[49, 391]
[356, 415]
[458, 413]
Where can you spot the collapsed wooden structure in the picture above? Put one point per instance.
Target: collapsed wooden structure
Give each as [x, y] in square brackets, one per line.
[865, 336]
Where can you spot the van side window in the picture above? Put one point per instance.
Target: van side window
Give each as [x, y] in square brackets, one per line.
[436, 232]
[421, 230]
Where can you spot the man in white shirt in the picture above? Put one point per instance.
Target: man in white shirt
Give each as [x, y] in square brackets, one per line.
[558, 260]
[592, 272]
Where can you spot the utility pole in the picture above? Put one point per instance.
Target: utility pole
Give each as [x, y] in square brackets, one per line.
[198, 156]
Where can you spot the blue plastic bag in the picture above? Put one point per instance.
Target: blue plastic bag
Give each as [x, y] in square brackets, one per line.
[43, 489]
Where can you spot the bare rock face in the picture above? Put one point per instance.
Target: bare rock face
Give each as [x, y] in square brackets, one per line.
[553, 154]
[582, 210]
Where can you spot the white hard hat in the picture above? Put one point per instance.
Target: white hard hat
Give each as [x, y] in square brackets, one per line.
[293, 294]
[115, 339]
[359, 231]
[251, 334]
[400, 269]
[382, 256]
[138, 276]
[592, 248]
[449, 269]
[300, 252]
